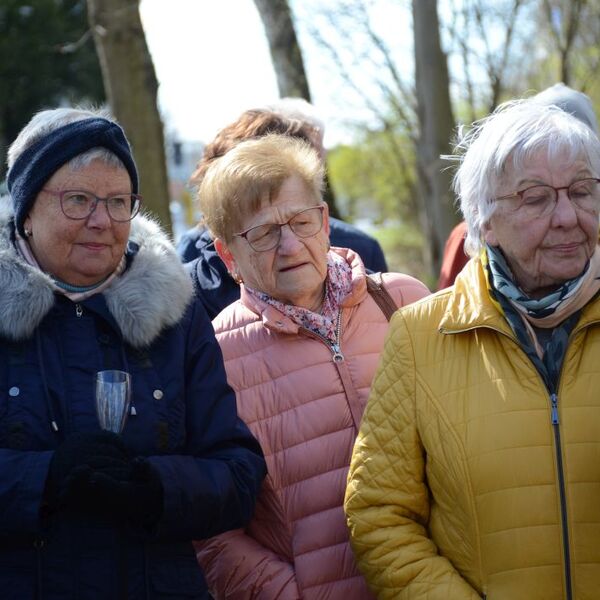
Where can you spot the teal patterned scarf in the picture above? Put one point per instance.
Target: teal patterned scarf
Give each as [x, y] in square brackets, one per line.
[558, 311]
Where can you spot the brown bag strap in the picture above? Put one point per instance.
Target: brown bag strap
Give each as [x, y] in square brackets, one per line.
[381, 296]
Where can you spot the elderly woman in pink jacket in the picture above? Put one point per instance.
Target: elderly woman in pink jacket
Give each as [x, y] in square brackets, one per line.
[301, 347]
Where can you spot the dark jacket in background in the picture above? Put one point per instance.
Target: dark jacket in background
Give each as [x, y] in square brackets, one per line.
[216, 289]
[186, 425]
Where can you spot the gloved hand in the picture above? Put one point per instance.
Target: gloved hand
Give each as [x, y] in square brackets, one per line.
[137, 499]
[82, 453]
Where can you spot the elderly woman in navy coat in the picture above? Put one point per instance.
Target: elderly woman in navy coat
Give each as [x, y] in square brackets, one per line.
[86, 286]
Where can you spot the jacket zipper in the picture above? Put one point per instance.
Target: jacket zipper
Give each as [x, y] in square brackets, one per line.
[78, 310]
[559, 462]
[562, 492]
[345, 377]
[334, 347]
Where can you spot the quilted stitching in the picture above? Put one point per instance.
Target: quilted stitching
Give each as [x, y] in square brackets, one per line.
[465, 415]
[291, 396]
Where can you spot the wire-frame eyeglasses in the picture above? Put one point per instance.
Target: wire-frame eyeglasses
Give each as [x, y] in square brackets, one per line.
[304, 224]
[540, 200]
[79, 204]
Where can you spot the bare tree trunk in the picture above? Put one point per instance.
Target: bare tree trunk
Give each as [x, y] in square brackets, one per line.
[564, 22]
[285, 50]
[131, 87]
[436, 126]
[287, 62]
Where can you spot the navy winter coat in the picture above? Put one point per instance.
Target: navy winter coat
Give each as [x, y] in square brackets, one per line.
[185, 422]
[215, 287]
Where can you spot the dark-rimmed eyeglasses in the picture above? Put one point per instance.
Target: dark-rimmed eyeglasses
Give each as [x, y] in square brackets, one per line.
[540, 200]
[304, 224]
[79, 205]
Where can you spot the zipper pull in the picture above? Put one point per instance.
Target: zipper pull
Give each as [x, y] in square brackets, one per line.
[337, 353]
[78, 310]
[554, 400]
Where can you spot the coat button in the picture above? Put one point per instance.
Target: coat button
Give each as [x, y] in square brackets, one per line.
[14, 391]
[157, 394]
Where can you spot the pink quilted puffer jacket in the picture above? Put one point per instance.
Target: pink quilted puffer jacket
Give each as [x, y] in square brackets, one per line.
[305, 409]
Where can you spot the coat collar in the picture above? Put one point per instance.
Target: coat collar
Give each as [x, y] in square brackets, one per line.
[469, 305]
[276, 321]
[151, 295]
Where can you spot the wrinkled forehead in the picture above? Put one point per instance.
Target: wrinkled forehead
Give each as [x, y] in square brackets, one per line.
[264, 195]
[251, 200]
[549, 157]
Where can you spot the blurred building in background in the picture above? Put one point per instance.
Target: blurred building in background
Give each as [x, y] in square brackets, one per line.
[182, 157]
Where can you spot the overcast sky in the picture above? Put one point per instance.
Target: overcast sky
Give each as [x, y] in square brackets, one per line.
[212, 62]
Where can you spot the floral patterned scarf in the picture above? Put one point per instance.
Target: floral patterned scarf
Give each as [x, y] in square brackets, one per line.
[338, 285]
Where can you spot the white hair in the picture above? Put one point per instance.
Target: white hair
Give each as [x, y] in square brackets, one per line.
[513, 134]
[46, 121]
[298, 109]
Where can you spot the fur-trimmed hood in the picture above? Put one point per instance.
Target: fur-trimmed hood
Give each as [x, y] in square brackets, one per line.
[149, 296]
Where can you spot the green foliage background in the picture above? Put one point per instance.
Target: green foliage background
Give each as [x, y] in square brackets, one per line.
[47, 58]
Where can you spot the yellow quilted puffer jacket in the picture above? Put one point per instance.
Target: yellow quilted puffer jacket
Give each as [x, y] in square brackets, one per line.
[460, 485]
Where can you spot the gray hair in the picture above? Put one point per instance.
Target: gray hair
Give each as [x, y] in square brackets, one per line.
[46, 121]
[514, 133]
[298, 109]
[576, 103]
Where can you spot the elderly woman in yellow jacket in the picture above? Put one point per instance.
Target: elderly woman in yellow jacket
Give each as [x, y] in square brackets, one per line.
[476, 472]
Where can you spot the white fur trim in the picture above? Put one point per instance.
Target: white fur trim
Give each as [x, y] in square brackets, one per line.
[151, 295]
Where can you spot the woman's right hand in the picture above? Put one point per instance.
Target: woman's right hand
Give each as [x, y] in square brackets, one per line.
[95, 473]
[77, 458]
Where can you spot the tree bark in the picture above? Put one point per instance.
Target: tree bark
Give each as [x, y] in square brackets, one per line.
[436, 123]
[131, 87]
[288, 64]
[285, 50]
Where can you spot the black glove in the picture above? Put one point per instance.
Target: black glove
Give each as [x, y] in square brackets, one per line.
[82, 453]
[138, 500]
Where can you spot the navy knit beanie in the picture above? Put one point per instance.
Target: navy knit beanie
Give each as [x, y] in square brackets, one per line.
[37, 163]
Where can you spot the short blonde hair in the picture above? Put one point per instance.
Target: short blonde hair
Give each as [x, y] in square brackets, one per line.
[236, 184]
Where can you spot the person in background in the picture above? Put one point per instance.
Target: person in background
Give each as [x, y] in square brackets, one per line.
[455, 257]
[300, 346]
[88, 284]
[216, 288]
[475, 473]
[575, 103]
[559, 94]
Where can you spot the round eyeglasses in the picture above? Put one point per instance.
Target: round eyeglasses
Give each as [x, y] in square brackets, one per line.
[79, 205]
[540, 200]
[304, 224]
